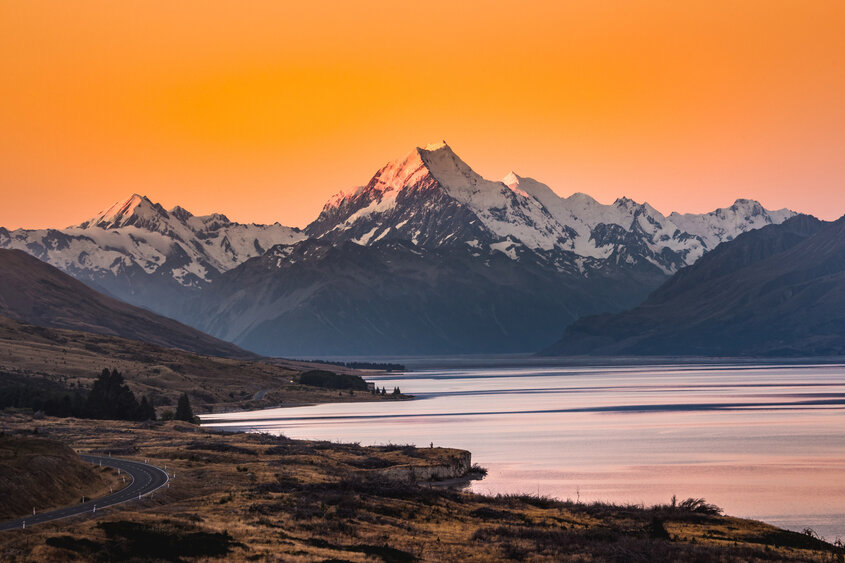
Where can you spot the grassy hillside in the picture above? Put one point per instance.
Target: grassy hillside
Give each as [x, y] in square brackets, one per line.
[257, 497]
[35, 355]
[39, 473]
[34, 292]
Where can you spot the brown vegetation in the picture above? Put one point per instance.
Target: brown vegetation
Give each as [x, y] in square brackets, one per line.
[41, 474]
[214, 384]
[37, 293]
[259, 497]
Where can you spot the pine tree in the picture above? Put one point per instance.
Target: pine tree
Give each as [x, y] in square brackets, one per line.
[110, 398]
[183, 409]
[146, 411]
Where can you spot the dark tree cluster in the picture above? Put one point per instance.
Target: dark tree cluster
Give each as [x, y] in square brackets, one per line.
[332, 380]
[183, 409]
[109, 398]
[383, 391]
[361, 365]
[40, 394]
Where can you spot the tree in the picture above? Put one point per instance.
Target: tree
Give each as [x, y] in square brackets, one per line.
[110, 398]
[183, 409]
[146, 411]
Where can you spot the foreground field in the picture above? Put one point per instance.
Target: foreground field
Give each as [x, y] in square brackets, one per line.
[258, 497]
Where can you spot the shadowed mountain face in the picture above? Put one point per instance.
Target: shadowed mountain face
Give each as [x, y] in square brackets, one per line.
[778, 291]
[37, 293]
[320, 298]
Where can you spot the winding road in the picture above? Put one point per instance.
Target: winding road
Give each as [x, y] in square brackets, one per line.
[145, 479]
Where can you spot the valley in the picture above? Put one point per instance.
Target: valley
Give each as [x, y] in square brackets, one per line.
[603, 323]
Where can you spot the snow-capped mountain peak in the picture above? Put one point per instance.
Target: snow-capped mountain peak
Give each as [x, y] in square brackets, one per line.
[136, 208]
[432, 197]
[136, 235]
[417, 198]
[428, 201]
[448, 169]
[181, 213]
[726, 223]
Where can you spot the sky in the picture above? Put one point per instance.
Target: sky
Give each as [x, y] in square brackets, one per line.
[262, 110]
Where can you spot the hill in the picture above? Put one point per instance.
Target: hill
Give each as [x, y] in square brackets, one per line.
[41, 474]
[37, 293]
[778, 291]
[56, 361]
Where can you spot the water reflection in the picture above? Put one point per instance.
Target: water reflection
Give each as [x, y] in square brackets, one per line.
[760, 441]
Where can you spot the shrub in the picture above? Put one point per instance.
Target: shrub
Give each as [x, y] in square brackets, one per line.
[331, 380]
[699, 506]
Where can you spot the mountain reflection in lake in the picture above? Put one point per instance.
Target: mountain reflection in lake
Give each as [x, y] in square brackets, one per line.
[761, 441]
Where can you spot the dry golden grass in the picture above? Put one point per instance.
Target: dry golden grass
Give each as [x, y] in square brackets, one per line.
[36, 473]
[214, 384]
[258, 497]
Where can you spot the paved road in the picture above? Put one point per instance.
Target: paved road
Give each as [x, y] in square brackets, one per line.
[145, 479]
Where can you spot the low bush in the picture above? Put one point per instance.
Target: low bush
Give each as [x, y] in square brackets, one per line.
[331, 380]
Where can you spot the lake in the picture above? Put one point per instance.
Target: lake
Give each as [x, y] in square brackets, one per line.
[761, 441]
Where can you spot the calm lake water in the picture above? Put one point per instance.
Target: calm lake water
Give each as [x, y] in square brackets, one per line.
[766, 442]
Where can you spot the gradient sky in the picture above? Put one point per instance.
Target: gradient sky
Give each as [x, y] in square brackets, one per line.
[262, 110]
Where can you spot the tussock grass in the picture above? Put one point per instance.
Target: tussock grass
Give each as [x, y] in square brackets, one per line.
[262, 497]
[45, 474]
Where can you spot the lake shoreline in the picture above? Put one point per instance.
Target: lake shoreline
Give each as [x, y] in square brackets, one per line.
[264, 497]
[633, 434]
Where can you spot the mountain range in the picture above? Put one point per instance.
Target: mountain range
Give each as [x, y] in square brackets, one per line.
[141, 253]
[427, 257]
[777, 291]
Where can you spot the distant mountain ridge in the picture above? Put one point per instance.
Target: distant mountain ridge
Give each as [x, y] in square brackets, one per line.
[143, 254]
[320, 298]
[534, 253]
[777, 291]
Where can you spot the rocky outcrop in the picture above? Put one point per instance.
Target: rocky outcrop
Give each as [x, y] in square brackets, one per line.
[454, 466]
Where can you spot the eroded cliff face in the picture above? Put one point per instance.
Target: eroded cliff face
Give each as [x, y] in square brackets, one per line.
[454, 466]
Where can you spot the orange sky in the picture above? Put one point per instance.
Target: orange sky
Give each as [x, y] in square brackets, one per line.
[262, 110]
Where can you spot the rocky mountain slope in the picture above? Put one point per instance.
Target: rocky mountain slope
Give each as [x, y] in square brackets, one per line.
[778, 291]
[145, 255]
[432, 199]
[318, 298]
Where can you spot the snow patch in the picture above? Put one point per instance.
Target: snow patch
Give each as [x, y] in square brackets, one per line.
[365, 238]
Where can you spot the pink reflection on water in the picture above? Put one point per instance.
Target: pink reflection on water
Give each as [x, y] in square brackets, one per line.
[760, 441]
